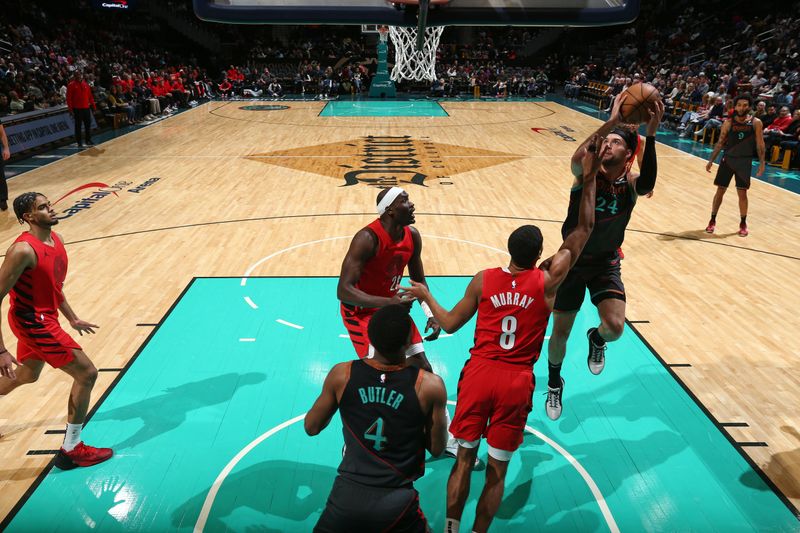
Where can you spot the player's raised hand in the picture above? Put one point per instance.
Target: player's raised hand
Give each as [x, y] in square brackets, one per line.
[616, 115]
[82, 326]
[655, 118]
[593, 157]
[7, 362]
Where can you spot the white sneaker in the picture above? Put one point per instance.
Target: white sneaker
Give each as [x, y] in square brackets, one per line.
[553, 404]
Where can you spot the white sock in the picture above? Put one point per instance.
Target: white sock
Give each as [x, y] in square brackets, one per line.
[73, 437]
[451, 526]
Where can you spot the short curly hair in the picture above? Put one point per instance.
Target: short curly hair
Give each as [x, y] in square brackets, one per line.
[24, 204]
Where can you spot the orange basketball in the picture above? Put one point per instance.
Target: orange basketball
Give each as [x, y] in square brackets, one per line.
[641, 99]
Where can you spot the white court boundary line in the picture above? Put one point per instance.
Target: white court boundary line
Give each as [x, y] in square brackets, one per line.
[212, 493]
[205, 511]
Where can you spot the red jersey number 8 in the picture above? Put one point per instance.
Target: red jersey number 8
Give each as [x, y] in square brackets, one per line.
[509, 327]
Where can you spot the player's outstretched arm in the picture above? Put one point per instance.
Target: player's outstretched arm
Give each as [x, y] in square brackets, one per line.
[605, 129]
[320, 414]
[556, 268]
[435, 394]
[417, 273]
[19, 257]
[362, 249]
[451, 321]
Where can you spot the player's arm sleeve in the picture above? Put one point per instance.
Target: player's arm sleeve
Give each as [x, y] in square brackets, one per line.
[647, 178]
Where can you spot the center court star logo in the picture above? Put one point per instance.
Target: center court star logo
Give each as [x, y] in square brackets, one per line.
[386, 160]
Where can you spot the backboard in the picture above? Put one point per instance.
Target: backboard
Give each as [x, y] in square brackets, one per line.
[457, 13]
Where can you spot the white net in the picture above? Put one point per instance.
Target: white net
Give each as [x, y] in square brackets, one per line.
[410, 63]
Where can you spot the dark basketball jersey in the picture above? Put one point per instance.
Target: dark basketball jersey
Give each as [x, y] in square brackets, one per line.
[512, 317]
[39, 290]
[741, 141]
[383, 426]
[613, 209]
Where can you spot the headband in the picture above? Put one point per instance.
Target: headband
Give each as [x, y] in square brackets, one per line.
[387, 200]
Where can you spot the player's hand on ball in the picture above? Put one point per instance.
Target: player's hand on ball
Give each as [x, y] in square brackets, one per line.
[435, 327]
[655, 118]
[82, 326]
[616, 116]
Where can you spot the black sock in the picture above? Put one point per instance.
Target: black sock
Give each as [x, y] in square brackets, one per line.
[596, 339]
[744, 219]
[554, 382]
[714, 217]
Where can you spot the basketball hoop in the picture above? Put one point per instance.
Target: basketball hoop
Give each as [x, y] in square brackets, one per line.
[411, 63]
[415, 47]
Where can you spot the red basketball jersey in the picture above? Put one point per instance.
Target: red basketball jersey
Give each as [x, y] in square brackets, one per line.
[40, 289]
[512, 316]
[382, 274]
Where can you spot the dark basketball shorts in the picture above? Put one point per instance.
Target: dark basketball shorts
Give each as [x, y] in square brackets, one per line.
[41, 337]
[354, 507]
[494, 399]
[602, 276]
[734, 166]
[356, 323]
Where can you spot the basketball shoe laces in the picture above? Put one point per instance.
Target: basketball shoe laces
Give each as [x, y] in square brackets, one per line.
[554, 397]
[597, 353]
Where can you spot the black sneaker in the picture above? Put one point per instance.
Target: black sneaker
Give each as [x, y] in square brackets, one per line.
[597, 354]
[553, 404]
[90, 142]
[3, 205]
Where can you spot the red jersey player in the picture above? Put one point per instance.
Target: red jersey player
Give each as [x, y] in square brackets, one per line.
[496, 385]
[373, 268]
[33, 272]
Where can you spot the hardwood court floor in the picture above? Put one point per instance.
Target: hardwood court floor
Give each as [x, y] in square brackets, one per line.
[235, 186]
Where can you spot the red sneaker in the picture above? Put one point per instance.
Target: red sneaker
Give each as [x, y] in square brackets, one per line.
[711, 227]
[743, 230]
[82, 455]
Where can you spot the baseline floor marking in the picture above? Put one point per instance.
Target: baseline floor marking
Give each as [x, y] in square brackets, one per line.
[212, 493]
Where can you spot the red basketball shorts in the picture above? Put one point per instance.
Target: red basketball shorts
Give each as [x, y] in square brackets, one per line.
[41, 337]
[494, 399]
[356, 322]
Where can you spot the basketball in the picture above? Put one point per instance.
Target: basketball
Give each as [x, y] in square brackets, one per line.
[641, 99]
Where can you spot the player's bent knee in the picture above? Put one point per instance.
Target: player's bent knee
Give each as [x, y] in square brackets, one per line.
[500, 455]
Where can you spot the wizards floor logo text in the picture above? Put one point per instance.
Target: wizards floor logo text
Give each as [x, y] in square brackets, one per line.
[384, 161]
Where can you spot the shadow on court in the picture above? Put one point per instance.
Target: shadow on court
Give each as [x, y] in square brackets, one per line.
[698, 235]
[273, 496]
[165, 412]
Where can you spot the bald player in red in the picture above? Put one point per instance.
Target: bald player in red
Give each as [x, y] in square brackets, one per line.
[496, 385]
[33, 273]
